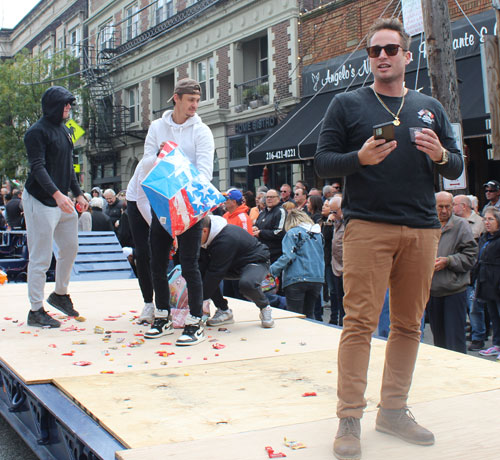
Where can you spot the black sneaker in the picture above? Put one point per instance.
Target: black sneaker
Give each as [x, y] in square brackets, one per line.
[160, 327]
[62, 303]
[193, 333]
[41, 318]
[476, 345]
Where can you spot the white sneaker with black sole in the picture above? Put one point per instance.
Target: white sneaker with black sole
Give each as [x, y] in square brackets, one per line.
[160, 328]
[194, 332]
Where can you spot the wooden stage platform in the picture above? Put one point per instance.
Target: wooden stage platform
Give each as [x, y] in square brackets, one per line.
[242, 389]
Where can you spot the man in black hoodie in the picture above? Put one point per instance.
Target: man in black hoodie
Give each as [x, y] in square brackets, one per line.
[49, 212]
[230, 253]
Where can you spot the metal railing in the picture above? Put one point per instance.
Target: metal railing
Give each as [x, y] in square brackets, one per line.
[253, 93]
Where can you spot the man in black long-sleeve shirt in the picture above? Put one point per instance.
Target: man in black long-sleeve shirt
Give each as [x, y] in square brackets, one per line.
[49, 212]
[392, 230]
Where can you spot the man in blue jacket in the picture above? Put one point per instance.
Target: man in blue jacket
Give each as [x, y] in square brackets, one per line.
[49, 212]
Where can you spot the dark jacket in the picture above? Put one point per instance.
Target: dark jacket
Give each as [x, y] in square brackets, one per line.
[114, 211]
[14, 214]
[327, 231]
[457, 243]
[225, 256]
[50, 150]
[487, 271]
[271, 225]
[100, 221]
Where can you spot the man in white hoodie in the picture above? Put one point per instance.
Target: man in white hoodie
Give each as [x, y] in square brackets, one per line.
[184, 127]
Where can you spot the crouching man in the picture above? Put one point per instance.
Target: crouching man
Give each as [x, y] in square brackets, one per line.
[230, 252]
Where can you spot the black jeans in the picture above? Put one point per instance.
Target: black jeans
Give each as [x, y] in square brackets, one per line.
[189, 253]
[447, 316]
[336, 301]
[249, 286]
[301, 297]
[139, 229]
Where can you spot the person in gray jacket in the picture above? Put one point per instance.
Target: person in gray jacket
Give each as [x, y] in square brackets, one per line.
[456, 256]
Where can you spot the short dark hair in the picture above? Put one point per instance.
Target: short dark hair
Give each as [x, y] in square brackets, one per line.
[249, 199]
[389, 24]
[206, 222]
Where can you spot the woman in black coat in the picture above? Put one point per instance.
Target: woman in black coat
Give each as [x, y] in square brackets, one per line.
[487, 273]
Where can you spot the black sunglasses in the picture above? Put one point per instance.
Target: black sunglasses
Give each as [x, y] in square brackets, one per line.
[390, 50]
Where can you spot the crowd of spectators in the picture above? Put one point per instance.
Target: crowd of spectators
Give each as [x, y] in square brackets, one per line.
[303, 230]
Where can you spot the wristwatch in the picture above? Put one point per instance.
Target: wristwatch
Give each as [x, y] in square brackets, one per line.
[444, 158]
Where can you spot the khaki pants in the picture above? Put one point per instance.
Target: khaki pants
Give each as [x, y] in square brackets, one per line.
[377, 256]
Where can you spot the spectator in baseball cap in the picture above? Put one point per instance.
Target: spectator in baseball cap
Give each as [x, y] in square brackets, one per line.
[492, 191]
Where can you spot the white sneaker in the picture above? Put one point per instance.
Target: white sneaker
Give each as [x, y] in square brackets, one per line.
[266, 317]
[147, 315]
[193, 332]
[221, 317]
[160, 328]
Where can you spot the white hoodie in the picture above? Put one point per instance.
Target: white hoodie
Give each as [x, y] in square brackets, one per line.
[136, 193]
[193, 137]
[217, 223]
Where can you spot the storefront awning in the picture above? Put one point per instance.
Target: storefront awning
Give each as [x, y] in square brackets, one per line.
[295, 138]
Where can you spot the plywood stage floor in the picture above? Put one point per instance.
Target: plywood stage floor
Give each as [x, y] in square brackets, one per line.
[242, 389]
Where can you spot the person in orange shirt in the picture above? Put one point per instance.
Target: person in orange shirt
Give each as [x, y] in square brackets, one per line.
[237, 211]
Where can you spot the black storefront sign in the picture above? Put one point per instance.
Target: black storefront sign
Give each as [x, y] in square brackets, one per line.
[255, 125]
[342, 72]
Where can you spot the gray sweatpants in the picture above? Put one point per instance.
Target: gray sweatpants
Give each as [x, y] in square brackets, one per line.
[45, 224]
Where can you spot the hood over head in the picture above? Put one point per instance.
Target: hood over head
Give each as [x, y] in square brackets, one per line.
[53, 102]
[217, 224]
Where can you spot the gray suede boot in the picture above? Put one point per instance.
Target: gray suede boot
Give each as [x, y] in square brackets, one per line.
[401, 423]
[347, 445]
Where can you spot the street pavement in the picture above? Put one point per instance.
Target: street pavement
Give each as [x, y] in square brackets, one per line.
[12, 447]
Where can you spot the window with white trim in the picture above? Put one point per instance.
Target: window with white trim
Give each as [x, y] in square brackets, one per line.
[164, 9]
[74, 42]
[132, 102]
[131, 22]
[106, 33]
[205, 73]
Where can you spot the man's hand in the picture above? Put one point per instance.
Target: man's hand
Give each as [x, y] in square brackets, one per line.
[64, 202]
[374, 151]
[84, 204]
[427, 141]
[440, 264]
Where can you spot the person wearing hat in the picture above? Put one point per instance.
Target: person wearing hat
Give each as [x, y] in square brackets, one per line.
[492, 192]
[183, 126]
[47, 206]
[236, 210]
